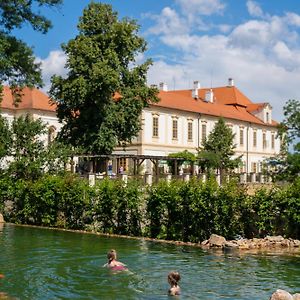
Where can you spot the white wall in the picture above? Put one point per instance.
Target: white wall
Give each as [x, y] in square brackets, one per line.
[164, 144]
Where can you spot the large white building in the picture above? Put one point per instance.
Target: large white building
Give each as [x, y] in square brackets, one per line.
[180, 121]
[184, 118]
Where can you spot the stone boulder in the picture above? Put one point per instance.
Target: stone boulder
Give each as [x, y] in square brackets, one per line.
[274, 239]
[281, 295]
[296, 296]
[216, 241]
[1, 219]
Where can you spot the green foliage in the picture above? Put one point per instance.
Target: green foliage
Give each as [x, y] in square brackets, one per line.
[286, 165]
[101, 99]
[17, 62]
[31, 157]
[73, 202]
[5, 138]
[25, 153]
[105, 205]
[186, 157]
[117, 208]
[163, 210]
[290, 126]
[48, 201]
[218, 149]
[192, 211]
[273, 212]
[17, 65]
[186, 211]
[129, 208]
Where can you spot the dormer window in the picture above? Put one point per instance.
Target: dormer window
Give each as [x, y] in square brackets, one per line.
[267, 114]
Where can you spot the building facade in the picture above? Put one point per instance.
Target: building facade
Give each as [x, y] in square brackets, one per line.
[35, 103]
[181, 120]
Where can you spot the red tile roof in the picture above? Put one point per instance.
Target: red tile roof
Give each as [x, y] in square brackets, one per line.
[228, 102]
[31, 99]
[255, 107]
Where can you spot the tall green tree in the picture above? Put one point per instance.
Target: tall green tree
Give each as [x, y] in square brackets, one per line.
[17, 62]
[287, 163]
[101, 99]
[290, 126]
[218, 149]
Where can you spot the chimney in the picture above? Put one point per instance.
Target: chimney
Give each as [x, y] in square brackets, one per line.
[209, 96]
[163, 86]
[230, 82]
[195, 90]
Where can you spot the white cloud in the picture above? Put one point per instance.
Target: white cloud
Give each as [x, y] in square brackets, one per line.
[293, 19]
[201, 7]
[254, 9]
[262, 55]
[169, 22]
[53, 64]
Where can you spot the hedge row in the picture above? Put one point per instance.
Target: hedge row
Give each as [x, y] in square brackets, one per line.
[187, 211]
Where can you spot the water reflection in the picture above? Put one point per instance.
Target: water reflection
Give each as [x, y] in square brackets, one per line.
[48, 264]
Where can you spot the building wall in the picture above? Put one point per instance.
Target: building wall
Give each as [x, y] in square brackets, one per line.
[164, 144]
[48, 117]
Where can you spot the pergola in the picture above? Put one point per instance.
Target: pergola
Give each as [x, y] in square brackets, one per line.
[137, 161]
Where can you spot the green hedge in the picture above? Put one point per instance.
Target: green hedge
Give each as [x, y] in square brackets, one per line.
[187, 211]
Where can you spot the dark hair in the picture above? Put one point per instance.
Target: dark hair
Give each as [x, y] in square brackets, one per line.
[174, 277]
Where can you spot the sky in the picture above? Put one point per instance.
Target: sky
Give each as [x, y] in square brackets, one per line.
[257, 43]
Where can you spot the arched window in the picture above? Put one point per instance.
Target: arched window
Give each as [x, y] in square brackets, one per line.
[51, 134]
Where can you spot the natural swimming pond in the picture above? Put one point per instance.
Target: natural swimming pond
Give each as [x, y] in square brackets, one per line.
[50, 264]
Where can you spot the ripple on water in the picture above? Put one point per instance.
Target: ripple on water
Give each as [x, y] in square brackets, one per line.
[45, 264]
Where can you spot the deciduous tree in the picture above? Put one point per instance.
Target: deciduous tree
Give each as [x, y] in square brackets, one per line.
[101, 99]
[17, 62]
[218, 149]
[29, 156]
[287, 163]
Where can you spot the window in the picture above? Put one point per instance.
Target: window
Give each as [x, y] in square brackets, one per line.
[122, 164]
[51, 134]
[190, 130]
[155, 126]
[174, 129]
[264, 140]
[242, 167]
[267, 117]
[203, 132]
[241, 136]
[254, 167]
[254, 138]
[273, 140]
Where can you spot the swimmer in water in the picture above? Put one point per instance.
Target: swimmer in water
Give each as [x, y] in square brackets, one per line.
[173, 278]
[112, 263]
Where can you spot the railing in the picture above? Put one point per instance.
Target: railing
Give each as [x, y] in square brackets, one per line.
[149, 179]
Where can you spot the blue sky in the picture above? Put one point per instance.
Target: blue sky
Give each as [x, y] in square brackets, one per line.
[255, 42]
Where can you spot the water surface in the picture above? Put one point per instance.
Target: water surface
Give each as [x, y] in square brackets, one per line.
[50, 264]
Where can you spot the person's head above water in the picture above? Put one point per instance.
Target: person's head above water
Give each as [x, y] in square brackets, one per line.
[112, 255]
[173, 278]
